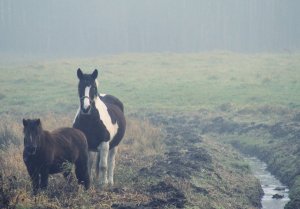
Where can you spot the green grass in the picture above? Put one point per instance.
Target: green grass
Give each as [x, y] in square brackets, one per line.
[155, 81]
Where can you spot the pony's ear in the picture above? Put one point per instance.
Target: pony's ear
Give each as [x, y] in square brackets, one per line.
[25, 122]
[37, 122]
[79, 73]
[95, 74]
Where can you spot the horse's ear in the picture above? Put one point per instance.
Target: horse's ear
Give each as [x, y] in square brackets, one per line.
[38, 122]
[79, 73]
[95, 74]
[25, 122]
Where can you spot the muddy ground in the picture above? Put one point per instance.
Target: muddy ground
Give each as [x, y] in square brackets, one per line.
[269, 134]
[193, 172]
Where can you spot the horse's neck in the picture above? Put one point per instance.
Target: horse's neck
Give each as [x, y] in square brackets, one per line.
[100, 100]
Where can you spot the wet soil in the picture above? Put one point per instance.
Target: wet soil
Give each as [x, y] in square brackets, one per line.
[185, 158]
[283, 136]
[180, 162]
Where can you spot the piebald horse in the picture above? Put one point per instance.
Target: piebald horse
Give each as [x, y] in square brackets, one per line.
[101, 118]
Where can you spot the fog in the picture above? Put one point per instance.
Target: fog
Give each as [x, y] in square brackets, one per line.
[93, 27]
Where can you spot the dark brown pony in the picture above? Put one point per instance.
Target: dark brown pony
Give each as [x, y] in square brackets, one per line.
[48, 152]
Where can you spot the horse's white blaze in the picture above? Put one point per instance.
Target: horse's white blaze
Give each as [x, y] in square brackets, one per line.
[106, 119]
[86, 101]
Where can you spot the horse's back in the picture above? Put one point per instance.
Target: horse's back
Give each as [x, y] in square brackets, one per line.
[110, 99]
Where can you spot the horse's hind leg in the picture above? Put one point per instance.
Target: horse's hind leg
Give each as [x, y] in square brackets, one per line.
[82, 171]
[111, 165]
[97, 164]
[91, 160]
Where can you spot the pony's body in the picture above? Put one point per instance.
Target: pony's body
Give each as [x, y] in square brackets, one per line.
[54, 150]
[101, 119]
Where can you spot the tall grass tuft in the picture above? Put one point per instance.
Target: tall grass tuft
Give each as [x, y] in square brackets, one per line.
[10, 132]
[144, 138]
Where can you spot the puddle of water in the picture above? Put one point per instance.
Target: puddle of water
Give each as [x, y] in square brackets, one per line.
[269, 184]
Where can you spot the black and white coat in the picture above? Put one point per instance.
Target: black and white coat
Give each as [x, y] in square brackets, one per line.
[101, 118]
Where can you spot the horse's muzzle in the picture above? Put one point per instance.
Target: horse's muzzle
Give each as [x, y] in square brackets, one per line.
[86, 111]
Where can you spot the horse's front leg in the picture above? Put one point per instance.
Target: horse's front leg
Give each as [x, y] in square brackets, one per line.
[44, 178]
[102, 162]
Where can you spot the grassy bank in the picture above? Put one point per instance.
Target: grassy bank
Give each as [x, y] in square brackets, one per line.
[282, 154]
[272, 136]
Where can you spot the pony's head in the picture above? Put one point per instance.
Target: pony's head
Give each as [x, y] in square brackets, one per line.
[87, 90]
[32, 135]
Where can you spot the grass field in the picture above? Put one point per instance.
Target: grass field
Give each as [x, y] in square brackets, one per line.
[156, 81]
[219, 95]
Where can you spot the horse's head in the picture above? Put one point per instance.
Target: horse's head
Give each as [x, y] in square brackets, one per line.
[87, 90]
[32, 135]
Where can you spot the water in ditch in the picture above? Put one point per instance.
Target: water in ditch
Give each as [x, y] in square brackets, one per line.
[270, 185]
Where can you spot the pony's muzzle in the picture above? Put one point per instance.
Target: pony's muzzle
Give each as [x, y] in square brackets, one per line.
[31, 150]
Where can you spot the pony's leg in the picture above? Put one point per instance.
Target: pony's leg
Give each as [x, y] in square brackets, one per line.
[35, 179]
[103, 149]
[82, 170]
[44, 178]
[111, 165]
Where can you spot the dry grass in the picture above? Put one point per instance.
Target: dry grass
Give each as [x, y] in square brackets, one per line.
[142, 140]
[10, 132]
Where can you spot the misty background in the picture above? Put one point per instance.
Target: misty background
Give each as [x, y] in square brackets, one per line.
[83, 28]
